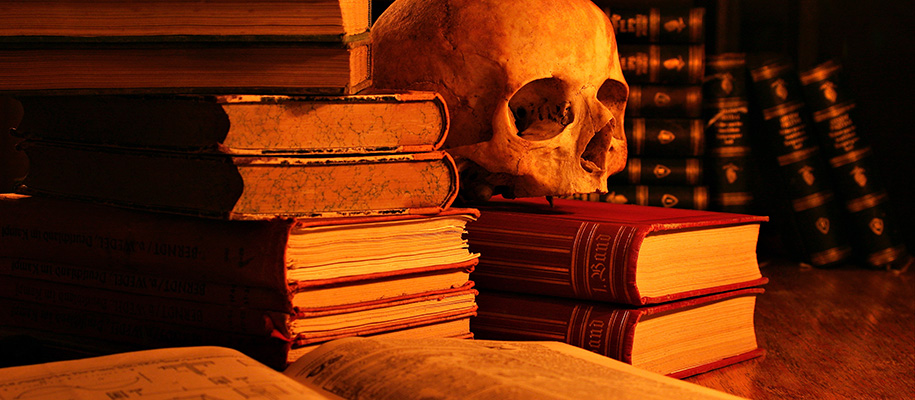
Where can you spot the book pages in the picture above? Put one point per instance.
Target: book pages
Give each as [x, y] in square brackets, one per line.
[164, 374]
[479, 369]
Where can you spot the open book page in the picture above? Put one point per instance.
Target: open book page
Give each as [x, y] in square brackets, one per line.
[165, 374]
[478, 369]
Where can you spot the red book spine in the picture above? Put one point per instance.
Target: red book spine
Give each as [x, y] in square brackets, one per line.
[557, 257]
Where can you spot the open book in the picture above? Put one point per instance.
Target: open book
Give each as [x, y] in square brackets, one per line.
[354, 368]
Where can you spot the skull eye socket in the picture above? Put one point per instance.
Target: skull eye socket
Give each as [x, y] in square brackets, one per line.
[613, 94]
[541, 109]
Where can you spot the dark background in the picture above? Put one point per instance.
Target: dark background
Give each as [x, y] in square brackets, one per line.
[873, 40]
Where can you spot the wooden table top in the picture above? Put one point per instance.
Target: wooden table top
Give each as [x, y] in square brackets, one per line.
[845, 333]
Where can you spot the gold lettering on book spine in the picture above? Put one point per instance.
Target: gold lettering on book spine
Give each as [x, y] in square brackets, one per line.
[601, 333]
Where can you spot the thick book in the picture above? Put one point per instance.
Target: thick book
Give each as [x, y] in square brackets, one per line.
[351, 368]
[64, 19]
[380, 122]
[667, 63]
[793, 154]
[612, 252]
[121, 323]
[730, 165]
[278, 265]
[694, 197]
[678, 339]
[665, 137]
[225, 65]
[848, 152]
[243, 187]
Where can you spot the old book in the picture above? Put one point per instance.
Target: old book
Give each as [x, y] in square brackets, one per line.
[848, 152]
[665, 137]
[103, 317]
[227, 65]
[641, 23]
[812, 211]
[63, 19]
[678, 339]
[612, 252]
[388, 122]
[668, 171]
[364, 368]
[729, 163]
[662, 63]
[277, 265]
[243, 187]
[693, 197]
[664, 101]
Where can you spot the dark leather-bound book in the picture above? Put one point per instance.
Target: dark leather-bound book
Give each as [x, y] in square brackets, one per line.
[847, 149]
[685, 171]
[695, 197]
[730, 167]
[146, 46]
[376, 122]
[229, 186]
[662, 63]
[646, 24]
[793, 153]
[665, 137]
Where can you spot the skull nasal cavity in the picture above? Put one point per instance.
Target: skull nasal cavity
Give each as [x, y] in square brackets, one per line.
[541, 109]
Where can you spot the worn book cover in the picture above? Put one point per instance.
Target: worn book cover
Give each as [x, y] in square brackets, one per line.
[679, 339]
[376, 122]
[243, 187]
[612, 252]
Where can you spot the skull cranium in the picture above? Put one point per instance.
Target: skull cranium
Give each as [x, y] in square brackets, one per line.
[534, 89]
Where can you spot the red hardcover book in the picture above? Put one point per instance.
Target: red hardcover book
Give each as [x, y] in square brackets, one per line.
[617, 253]
[678, 339]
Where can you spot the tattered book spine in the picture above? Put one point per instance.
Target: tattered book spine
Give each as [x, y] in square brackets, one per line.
[849, 153]
[729, 165]
[806, 185]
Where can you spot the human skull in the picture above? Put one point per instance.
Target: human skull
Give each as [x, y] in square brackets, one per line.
[534, 89]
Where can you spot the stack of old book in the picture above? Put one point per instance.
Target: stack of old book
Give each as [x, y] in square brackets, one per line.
[662, 55]
[669, 290]
[217, 176]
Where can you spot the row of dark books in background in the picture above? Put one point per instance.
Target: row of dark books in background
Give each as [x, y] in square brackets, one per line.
[241, 214]
[662, 55]
[733, 132]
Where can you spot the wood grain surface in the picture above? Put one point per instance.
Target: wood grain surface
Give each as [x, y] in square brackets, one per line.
[845, 333]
